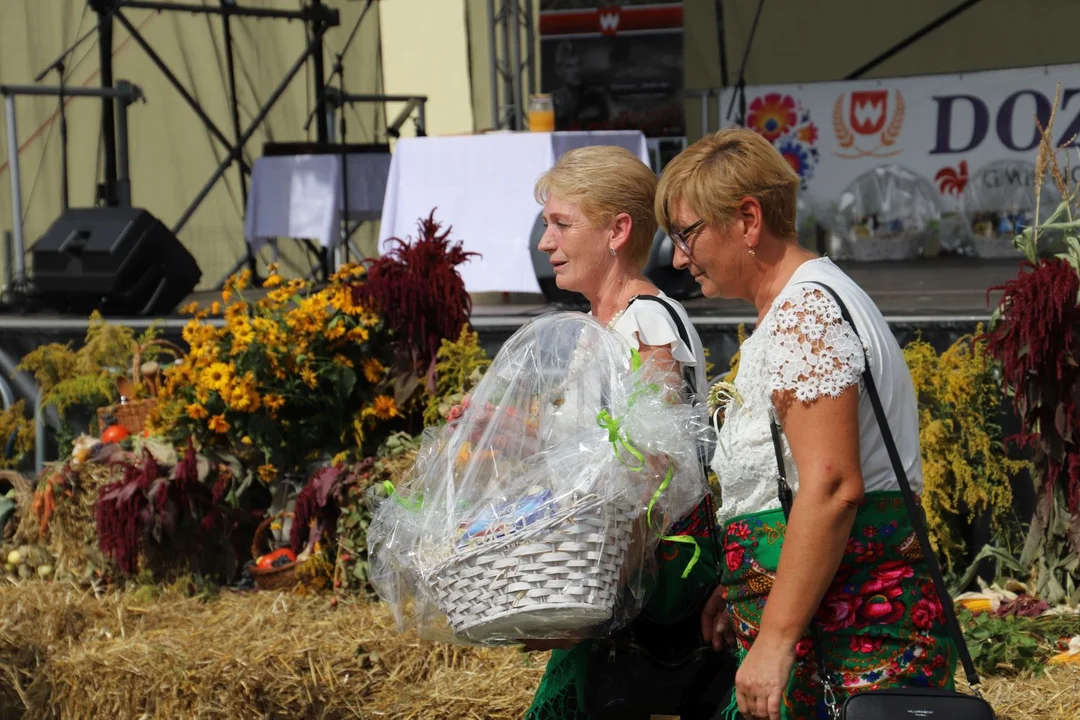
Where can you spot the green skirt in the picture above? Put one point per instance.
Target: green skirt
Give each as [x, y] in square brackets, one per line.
[561, 695]
[881, 621]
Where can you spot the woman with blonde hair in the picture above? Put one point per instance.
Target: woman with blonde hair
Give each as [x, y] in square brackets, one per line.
[846, 581]
[598, 212]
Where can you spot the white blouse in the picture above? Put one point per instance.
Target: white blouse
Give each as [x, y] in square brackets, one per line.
[805, 346]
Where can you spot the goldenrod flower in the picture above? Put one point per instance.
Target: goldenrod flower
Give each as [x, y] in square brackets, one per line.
[218, 424]
[373, 370]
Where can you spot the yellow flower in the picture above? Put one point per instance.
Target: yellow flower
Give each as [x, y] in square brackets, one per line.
[340, 458]
[273, 280]
[342, 301]
[218, 424]
[215, 308]
[359, 334]
[267, 472]
[308, 376]
[217, 376]
[246, 440]
[336, 332]
[373, 370]
[196, 411]
[274, 402]
[340, 359]
[190, 309]
[226, 295]
[383, 408]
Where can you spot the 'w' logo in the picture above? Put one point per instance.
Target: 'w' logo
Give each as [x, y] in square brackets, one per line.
[609, 21]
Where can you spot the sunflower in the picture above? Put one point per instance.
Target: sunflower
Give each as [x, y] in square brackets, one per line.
[219, 424]
[217, 376]
[373, 370]
[382, 408]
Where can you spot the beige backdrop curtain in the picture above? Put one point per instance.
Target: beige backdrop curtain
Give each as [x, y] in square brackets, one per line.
[172, 154]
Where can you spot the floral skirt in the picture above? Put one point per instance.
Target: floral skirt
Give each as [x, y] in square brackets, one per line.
[881, 621]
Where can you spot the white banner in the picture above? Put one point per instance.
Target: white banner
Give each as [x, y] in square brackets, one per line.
[951, 156]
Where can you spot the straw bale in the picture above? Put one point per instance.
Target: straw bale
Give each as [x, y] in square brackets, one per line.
[68, 653]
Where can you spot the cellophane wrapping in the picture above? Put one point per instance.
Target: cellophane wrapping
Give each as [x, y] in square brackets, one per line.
[536, 514]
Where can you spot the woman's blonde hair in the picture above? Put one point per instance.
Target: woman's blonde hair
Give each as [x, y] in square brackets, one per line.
[714, 174]
[605, 180]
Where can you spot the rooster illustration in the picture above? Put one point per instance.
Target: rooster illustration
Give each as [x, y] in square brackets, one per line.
[952, 181]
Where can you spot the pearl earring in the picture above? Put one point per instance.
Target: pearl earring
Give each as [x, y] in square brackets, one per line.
[752, 253]
[612, 250]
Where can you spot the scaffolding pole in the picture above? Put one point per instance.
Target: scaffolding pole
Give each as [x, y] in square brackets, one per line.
[513, 71]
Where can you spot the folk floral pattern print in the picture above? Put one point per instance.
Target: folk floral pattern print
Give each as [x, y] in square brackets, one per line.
[881, 621]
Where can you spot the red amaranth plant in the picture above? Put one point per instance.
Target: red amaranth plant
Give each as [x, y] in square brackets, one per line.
[417, 288]
[1038, 347]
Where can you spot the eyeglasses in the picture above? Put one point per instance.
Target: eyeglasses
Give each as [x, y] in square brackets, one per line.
[681, 238]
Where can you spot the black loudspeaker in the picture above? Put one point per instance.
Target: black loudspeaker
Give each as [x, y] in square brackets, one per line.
[121, 261]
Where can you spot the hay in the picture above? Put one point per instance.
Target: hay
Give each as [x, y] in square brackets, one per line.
[251, 655]
[66, 653]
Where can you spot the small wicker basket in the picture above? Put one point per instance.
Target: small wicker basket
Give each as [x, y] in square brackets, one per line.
[279, 578]
[130, 412]
[559, 574]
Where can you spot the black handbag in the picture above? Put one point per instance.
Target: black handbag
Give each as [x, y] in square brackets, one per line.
[663, 668]
[894, 703]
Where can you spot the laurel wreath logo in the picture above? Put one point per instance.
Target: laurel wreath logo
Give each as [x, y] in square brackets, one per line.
[846, 139]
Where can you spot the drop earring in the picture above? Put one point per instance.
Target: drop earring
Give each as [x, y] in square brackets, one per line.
[612, 250]
[752, 253]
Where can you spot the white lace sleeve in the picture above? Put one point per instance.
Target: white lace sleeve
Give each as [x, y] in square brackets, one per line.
[812, 350]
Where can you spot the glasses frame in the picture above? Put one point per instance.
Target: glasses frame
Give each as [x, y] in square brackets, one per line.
[681, 240]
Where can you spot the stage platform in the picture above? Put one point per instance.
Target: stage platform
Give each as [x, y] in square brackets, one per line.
[939, 299]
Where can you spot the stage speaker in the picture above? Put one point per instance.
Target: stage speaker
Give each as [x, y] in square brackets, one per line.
[120, 261]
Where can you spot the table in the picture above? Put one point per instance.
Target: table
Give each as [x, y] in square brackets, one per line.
[482, 186]
[299, 196]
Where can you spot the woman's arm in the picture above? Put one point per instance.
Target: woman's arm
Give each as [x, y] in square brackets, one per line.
[824, 441]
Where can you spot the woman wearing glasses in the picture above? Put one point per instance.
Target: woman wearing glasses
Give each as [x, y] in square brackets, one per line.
[845, 564]
[598, 212]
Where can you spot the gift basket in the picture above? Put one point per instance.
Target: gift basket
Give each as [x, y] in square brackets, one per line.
[998, 203]
[887, 213]
[536, 514]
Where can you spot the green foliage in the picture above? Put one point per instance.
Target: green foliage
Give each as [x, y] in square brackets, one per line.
[1014, 645]
[459, 365]
[83, 378]
[393, 460]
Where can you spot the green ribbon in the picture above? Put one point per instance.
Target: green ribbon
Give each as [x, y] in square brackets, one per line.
[685, 539]
[391, 492]
[618, 440]
[620, 443]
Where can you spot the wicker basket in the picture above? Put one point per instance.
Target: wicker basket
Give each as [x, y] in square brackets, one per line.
[279, 578]
[130, 412]
[557, 575]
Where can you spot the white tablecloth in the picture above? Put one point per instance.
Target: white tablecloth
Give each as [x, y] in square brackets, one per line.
[482, 186]
[299, 196]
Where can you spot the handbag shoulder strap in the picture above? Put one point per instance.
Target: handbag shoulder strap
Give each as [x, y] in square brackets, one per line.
[913, 507]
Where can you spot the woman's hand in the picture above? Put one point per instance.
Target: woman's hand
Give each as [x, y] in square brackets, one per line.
[716, 622]
[762, 678]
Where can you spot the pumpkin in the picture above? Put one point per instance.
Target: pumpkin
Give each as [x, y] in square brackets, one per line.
[114, 434]
[276, 559]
